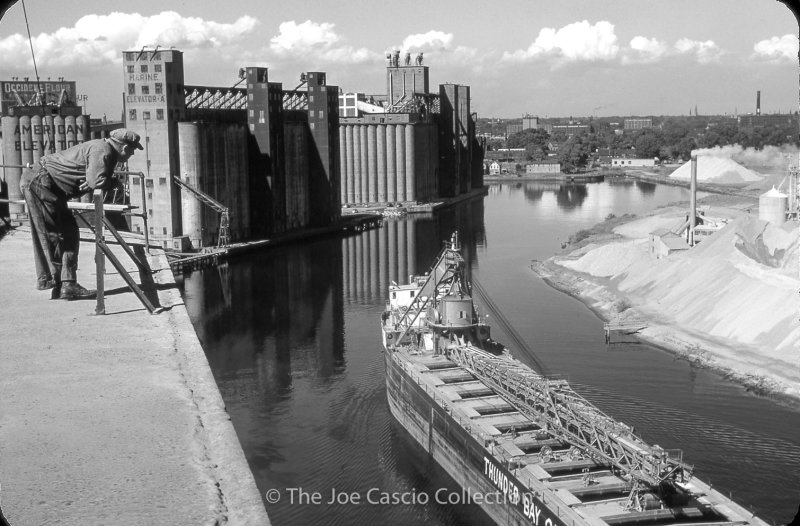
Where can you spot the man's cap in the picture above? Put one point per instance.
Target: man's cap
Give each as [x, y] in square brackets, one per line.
[127, 136]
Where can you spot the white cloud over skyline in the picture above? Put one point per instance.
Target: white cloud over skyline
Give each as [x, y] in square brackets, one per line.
[777, 49]
[576, 53]
[319, 39]
[579, 41]
[99, 39]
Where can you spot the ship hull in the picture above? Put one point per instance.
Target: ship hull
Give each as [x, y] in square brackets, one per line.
[461, 455]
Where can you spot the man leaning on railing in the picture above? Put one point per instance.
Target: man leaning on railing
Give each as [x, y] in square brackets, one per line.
[61, 176]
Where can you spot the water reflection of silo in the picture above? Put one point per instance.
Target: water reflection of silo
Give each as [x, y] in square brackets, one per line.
[411, 246]
[351, 274]
[402, 251]
[359, 242]
[364, 267]
[391, 228]
[374, 273]
[383, 249]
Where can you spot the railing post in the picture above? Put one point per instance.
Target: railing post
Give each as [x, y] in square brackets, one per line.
[99, 257]
[144, 215]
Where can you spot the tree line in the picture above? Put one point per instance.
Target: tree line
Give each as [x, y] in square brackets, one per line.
[671, 139]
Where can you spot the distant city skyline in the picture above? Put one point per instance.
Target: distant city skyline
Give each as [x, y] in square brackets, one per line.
[551, 59]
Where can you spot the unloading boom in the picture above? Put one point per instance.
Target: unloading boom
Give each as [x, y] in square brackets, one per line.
[564, 413]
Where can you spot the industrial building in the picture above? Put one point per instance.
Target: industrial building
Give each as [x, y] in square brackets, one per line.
[37, 119]
[253, 161]
[637, 124]
[529, 122]
[416, 146]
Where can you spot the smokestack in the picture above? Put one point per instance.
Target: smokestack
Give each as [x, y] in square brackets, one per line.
[692, 201]
[758, 102]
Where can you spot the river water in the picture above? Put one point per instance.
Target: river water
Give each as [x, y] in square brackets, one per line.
[292, 336]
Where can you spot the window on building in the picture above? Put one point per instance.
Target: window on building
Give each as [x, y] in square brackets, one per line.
[148, 183]
[165, 231]
[131, 89]
[159, 88]
[261, 118]
[152, 231]
[146, 115]
[162, 180]
[143, 68]
[132, 115]
[150, 196]
[157, 68]
[321, 113]
[136, 181]
[159, 115]
[129, 56]
[138, 229]
[145, 90]
[130, 69]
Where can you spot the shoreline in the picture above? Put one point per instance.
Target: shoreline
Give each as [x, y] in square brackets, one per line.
[697, 349]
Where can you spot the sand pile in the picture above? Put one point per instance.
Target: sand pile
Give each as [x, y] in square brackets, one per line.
[716, 170]
[738, 287]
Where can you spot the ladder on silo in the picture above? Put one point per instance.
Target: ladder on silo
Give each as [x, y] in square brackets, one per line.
[223, 239]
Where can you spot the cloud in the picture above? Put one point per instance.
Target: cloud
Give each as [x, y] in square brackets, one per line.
[317, 40]
[777, 49]
[430, 41]
[99, 39]
[645, 50]
[579, 41]
[704, 52]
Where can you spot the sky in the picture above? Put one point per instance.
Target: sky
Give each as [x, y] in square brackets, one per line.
[548, 58]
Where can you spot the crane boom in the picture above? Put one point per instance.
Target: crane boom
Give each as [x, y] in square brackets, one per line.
[564, 413]
[224, 219]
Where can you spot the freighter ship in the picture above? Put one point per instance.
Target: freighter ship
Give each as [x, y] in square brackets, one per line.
[525, 447]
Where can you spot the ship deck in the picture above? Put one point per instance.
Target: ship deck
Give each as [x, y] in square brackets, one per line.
[572, 485]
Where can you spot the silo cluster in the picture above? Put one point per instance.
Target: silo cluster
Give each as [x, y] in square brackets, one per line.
[386, 162]
[27, 138]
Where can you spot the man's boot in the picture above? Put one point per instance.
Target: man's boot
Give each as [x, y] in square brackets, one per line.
[71, 290]
[45, 284]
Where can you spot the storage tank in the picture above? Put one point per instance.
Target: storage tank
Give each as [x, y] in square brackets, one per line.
[772, 206]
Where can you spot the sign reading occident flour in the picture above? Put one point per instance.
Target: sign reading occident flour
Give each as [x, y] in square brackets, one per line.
[21, 92]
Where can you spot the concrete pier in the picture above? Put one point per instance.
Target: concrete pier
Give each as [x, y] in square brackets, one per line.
[111, 419]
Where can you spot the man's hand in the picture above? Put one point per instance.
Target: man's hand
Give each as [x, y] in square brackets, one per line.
[84, 187]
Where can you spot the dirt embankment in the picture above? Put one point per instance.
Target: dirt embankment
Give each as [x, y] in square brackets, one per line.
[728, 304]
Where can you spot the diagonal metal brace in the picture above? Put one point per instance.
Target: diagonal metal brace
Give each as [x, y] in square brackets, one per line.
[127, 277]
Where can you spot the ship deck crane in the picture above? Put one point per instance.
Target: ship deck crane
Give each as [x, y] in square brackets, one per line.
[223, 238]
